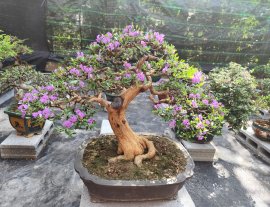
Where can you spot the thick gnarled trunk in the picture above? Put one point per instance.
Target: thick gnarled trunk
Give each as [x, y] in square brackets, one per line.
[130, 145]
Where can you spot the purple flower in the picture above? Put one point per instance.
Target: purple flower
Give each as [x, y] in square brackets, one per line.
[36, 114]
[165, 69]
[194, 104]
[205, 101]
[140, 76]
[186, 123]
[99, 38]
[113, 45]
[105, 40]
[207, 122]
[172, 123]
[157, 106]
[117, 78]
[90, 121]
[44, 99]
[75, 72]
[200, 137]
[128, 75]
[73, 119]
[29, 97]
[80, 113]
[109, 34]
[215, 104]
[127, 65]
[23, 108]
[143, 43]
[127, 29]
[200, 117]
[68, 124]
[198, 95]
[81, 84]
[159, 37]
[134, 33]
[86, 69]
[177, 108]
[53, 97]
[49, 88]
[80, 54]
[46, 113]
[192, 95]
[197, 78]
[200, 125]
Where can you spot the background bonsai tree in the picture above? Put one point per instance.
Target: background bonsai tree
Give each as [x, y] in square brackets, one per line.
[262, 75]
[195, 115]
[121, 62]
[11, 46]
[234, 87]
[21, 78]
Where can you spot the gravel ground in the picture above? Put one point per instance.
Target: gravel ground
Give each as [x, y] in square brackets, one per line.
[237, 178]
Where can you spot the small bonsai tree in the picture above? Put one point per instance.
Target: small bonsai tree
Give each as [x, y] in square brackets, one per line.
[11, 46]
[123, 63]
[234, 87]
[262, 75]
[195, 116]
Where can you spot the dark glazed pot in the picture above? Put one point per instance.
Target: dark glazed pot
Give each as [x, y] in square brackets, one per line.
[101, 190]
[262, 132]
[110, 97]
[24, 126]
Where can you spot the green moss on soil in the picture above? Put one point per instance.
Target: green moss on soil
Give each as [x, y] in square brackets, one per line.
[168, 162]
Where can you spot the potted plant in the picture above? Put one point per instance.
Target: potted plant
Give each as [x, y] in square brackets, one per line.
[10, 46]
[122, 62]
[234, 87]
[195, 116]
[261, 127]
[21, 78]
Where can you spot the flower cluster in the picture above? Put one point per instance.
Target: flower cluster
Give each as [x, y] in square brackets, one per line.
[77, 119]
[195, 118]
[36, 102]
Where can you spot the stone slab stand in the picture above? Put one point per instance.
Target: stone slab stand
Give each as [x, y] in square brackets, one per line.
[6, 96]
[200, 152]
[259, 147]
[19, 147]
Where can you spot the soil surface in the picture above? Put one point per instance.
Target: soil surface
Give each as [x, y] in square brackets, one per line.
[263, 123]
[168, 162]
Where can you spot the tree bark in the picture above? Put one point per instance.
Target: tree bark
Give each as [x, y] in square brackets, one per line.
[130, 145]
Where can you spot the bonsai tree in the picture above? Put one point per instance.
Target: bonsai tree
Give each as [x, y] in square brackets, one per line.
[195, 116]
[121, 62]
[11, 46]
[234, 87]
[262, 75]
[19, 78]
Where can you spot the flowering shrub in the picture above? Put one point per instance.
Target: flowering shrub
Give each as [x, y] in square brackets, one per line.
[235, 88]
[195, 116]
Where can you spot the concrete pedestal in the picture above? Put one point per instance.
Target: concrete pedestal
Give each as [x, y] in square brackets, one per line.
[259, 147]
[19, 147]
[183, 200]
[200, 152]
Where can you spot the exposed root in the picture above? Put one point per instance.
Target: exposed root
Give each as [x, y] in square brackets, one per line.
[138, 158]
[150, 154]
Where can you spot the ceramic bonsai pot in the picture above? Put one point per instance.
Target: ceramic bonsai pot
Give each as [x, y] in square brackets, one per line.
[101, 190]
[261, 129]
[24, 126]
